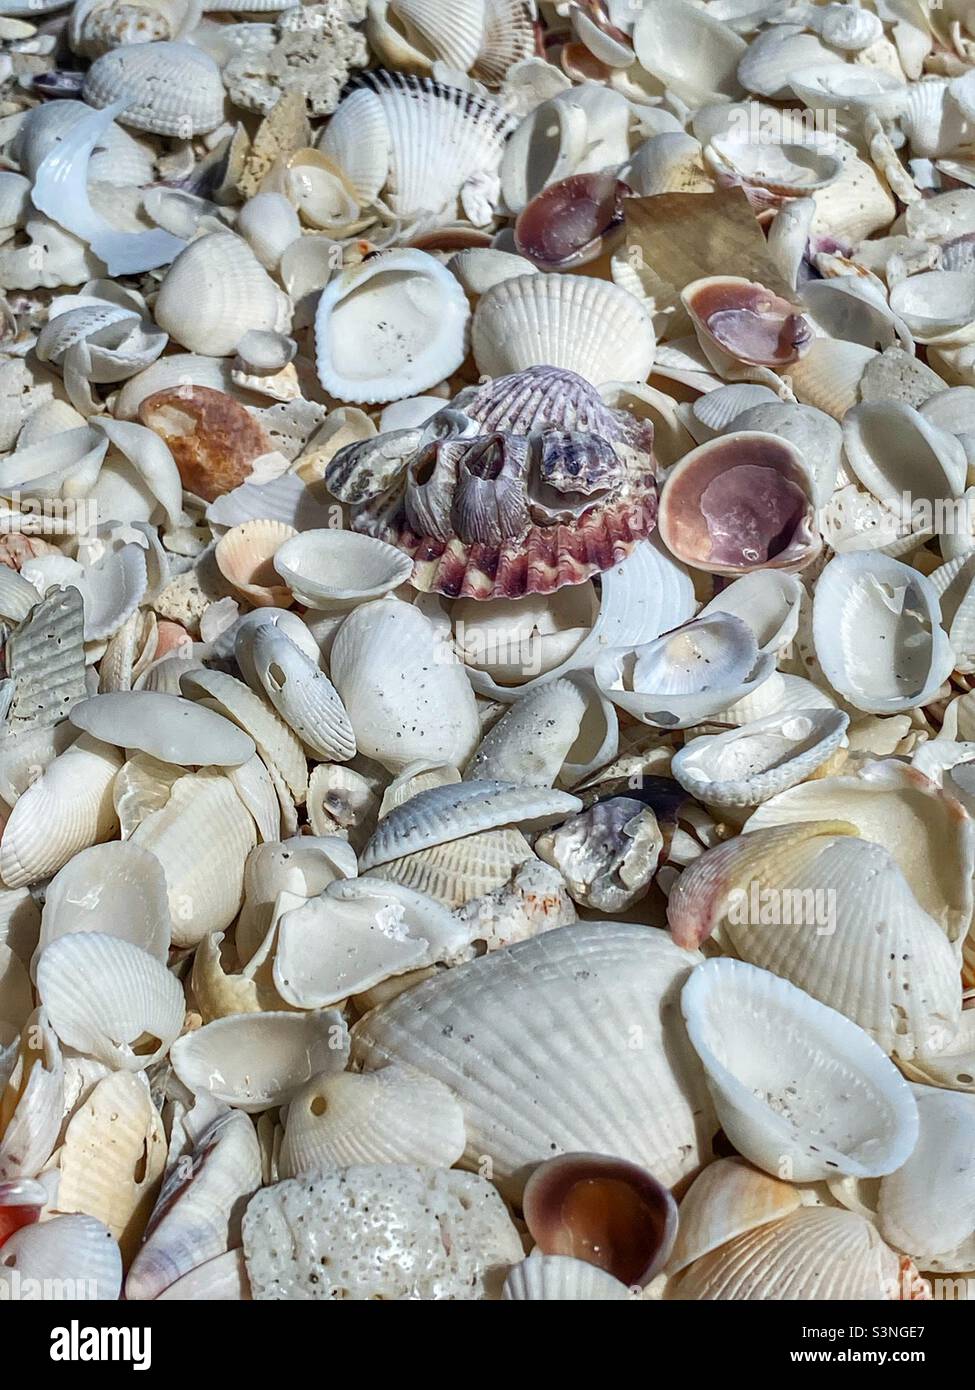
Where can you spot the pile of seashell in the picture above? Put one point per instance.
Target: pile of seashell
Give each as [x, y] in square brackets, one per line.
[487, 612]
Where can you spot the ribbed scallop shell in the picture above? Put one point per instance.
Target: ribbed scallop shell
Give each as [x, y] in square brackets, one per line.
[67, 809]
[423, 32]
[461, 870]
[73, 1251]
[167, 88]
[389, 1116]
[586, 326]
[509, 37]
[205, 890]
[561, 1279]
[356, 137]
[277, 744]
[817, 1253]
[110, 1000]
[536, 1041]
[45, 659]
[112, 1158]
[216, 291]
[726, 1200]
[302, 694]
[245, 558]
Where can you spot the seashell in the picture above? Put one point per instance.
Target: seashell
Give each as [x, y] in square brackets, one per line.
[768, 601]
[334, 571]
[937, 305]
[44, 658]
[215, 441]
[32, 1100]
[462, 870]
[712, 414]
[668, 163]
[68, 808]
[680, 678]
[454, 1236]
[246, 627]
[76, 1251]
[842, 1109]
[585, 326]
[357, 139]
[745, 766]
[452, 811]
[407, 697]
[480, 268]
[560, 1278]
[607, 854]
[116, 889]
[876, 628]
[222, 1279]
[878, 958]
[166, 727]
[901, 458]
[728, 1199]
[255, 1061]
[216, 291]
[302, 694]
[740, 502]
[546, 147]
[746, 321]
[819, 1253]
[166, 88]
[414, 34]
[269, 224]
[202, 897]
[245, 557]
[688, 52]
[622, 973]
[572, 222]
[543, 732]
[198, 1214]
[184, 369]
[604, 1210]
[390, 327]
[816, 435]
[388, 1116]
[112, 1158]
[770, 171]
[767, 66]
[109, 999]
[300, 868]
[829, 375]
[925, 1208]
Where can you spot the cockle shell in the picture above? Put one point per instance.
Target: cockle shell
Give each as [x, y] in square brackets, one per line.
[332, 570]
[166, 88]
[388, 1116]
[625, 976]
[216, 291]
[75, 1248]
[390, 327]
[728, 1199]
[560, 1278]
[756, 1035]
[116, 889]
[302, 694]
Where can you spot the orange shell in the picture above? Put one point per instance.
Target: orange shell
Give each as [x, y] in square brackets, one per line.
[213, 438]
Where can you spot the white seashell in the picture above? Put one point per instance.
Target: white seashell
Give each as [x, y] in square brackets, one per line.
[728, 1199]
[32, 1101]
[560, 1278]
[197, 1216]
[461, 870]
[849, 28]
[689, 673]
[169, 729]
[583, 325]
[216, 291]
[818, 1253]
[793, 1081]
[277, 744]
[937, 305]
[222, 1279]
[269, 224]
[333, 570]
[116, 889]
[454, 810]
[518, 1066]
[901, 458]
[45, 658]
[67, 809]
[926, 1208]
[109, 999]
[74, 1252]
[688, 52]
[356, 934]
[357, 138]
[406, 694]
[876, 628]
[607, 854]
[204, 891]
[177, 369]
[302, 694]
[390, 327]
[478, 270]
[165, 88]
[542, 732]
[766, 68]
[388, 1116]
[301, 867]
[747, 765]
[712, 413]
[452, 1233]
[112, 1158]
[255, 1061]
[768, 601]
[414, 34]
[245, 557]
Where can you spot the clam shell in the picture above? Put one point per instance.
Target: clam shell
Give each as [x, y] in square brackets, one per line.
[560, 1278]
[406, 695]
[302, 694]
[582, 325]
[926, 1207]
[76, 1252]
[391, 327]
[255, 1061]
[901, 458]
[216, 291]
[817, 1253]
[67, 809]
[543, 732]
[451, 812]
[332, 570]
[165, 727]
[798, 1088]
[166, 88]
[388, 1116]
[109, 999]
[245, 557]
[727, 1200]
[116, 889]
[517, 1069]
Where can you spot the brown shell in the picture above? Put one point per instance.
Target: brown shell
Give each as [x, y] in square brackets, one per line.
[213, 438]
